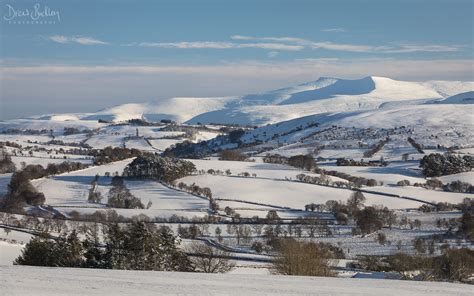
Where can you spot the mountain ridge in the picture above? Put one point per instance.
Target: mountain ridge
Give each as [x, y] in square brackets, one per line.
[324, 95]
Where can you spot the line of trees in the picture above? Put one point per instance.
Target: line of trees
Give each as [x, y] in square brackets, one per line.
[109, 154]
[352, 162]
[137, 246]
[323, 179]
[416, 145]
[200, 191]
[376, 148]
[305, 162]
[20, 190]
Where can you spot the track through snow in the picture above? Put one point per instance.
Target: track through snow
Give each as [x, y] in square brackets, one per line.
[40, 281]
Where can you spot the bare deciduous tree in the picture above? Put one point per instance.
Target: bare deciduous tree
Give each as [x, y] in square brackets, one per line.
[209, 259]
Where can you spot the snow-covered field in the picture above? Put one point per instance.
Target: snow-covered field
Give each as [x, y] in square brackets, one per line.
[273, 186]
[285, 193]
[9, 252]
[69, 191]
[389, 175]
[261, 169]
[38, 281]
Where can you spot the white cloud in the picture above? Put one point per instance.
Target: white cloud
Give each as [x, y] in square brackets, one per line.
[278, 39]
[77, 39]
[271, 43]
[334, 30]
[396, 68]
[403, 48]
[59, 39]
[272, 54]
[423, 48]
[220, 45]
[342, 47]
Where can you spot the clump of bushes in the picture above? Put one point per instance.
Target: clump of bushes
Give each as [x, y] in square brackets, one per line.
[233, 155]
[435, 164]
[303, 258]
[6, 163]
[403, 183]
[305, 162]
[121, 197]
[164, 169]
[458, 186]
[452, 265]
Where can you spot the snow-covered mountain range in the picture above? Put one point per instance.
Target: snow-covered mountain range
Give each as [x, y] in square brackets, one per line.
[325, 95]
[443, 108]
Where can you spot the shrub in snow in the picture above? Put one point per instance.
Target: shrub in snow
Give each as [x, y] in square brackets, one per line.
[403, 183]
[153, 166]
[121, 197]
[435, 164]
[460, 187]
[303, 258]
[232, 155]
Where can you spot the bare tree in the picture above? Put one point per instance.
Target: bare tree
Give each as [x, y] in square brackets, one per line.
[257, 228]
[209, 259]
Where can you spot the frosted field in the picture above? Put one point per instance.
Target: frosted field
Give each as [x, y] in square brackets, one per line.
[55, 123]
[72, 188]
[11, 245]
[284, 193]
[9, 252]
[162, 144]
[424, 194]
[23, 139]
[463, 177]
[67, 281]
[354, 246]
[44, 160]
[69, 191]
[263, 170]
[390, 175]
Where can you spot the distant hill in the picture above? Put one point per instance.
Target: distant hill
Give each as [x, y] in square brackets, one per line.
[316, 97]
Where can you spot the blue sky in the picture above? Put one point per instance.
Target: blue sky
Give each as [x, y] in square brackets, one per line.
[86, 55]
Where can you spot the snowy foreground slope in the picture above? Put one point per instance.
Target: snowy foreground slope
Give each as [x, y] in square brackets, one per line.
[65, 281]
